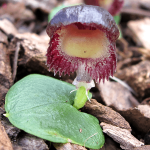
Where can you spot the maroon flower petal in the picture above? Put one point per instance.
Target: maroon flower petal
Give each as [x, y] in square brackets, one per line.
[112, 6]
[116, 6]
[83, 35]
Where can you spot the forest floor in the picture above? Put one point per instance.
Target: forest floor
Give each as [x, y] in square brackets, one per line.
[123, 112]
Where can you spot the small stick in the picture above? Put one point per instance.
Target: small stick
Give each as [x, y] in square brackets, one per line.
[89, 138]
[15, 61]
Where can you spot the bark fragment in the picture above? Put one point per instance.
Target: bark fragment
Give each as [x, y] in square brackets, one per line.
[11, 29]
[35, 48]
[5, 143]
[106, 114]
[110, 144]
[5, 70]
[30, 142]
[145, 147]
[137, 76]
[139, 117]
[141, 31]
[121, 136]
[68, 146]
[117, 96]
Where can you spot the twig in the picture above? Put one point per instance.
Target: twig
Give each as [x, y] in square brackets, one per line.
[123, 83]
[15, 61]
[89, 138]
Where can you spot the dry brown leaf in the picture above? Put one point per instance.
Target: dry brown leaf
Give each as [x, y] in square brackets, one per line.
[12, 8]
[122, 49]
[5, 72]
[141, 31]
[145, 4]
[144, 52]
[106, 114]
[7, 27]
[110, 144]
[132, 4]
[34, 48]
[5, 143]
[11, 130]
[139, 117]
[145, 147]
[117, 96]
[78, 147]
[3, 38]
[30, 142]
[121, 136]
[137, 76]
[45, 5]
[68, 146]
[17, 11]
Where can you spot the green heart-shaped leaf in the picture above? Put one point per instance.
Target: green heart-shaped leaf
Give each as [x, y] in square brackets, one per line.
[42, 106]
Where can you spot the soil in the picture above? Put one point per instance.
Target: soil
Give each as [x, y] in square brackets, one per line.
[122, 104]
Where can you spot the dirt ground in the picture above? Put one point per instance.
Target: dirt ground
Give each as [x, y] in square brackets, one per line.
[123, 108]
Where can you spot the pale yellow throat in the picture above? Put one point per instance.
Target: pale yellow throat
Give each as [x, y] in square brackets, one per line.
[83, 43]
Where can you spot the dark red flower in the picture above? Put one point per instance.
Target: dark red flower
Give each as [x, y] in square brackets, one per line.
[113, 6]
[82, 39]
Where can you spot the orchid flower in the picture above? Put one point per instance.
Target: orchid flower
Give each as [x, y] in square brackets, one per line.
[82, 39]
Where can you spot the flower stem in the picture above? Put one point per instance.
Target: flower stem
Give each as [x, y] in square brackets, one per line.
[81, 97]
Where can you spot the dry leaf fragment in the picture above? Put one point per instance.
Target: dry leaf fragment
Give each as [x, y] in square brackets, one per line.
[3, 38]
[145, 4]
[31, 142]
[5, 73]
[44, 5]
[7, 27]
[121, 136]
[11, 130]
[33, 50]
[5, 143]
[106, 114]
[141, 31]
[137, 76]
[117, 96]
[110, 144]
[68, 146]
[139, 117]
[17, 11]
[145, 147]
